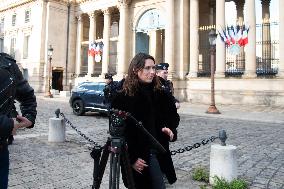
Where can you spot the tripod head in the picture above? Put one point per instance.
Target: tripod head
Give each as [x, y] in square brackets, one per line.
[117, 122]
[117, 127]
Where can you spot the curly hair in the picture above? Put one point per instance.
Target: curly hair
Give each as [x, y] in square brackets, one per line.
[131, 84]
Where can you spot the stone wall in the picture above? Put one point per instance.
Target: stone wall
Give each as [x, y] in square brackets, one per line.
[267, 92]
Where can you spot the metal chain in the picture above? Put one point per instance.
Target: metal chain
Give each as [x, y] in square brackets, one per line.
[173, 152]
[194, 146]
[79, 132]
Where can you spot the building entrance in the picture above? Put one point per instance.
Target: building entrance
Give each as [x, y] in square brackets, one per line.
[57, 78]
[150, 35]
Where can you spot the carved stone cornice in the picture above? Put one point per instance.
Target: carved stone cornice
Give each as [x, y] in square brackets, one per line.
[123, 2]
[107, 10]
[11, 5]
[79, 18]
[93, 14]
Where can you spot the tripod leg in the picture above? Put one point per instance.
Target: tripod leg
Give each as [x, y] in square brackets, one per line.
[114, 171]
[127, 168]
[96, 154]
[102, 166]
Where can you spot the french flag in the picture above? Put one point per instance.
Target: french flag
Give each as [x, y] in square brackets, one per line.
[226, 38]
[91, 50]
[231, 33]
[244, 40]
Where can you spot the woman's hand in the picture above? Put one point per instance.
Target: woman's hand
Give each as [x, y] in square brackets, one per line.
[139, 165]
[168, 132]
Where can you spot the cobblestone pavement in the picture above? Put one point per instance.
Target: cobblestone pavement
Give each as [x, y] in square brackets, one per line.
[256, 131]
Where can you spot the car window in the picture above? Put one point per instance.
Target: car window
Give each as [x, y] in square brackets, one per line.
[101, 86]
[89, 87]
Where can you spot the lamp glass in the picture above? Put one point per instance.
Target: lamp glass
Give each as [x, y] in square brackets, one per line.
[50, 51]
[212, 37]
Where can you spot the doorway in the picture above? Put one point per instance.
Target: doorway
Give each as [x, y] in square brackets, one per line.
[150, 34]
[57, 79]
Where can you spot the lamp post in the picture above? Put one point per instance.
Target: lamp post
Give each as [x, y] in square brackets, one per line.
[49, 54]
[212, 41]
[70, 85]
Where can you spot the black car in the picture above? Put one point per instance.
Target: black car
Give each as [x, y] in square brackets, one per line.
[88, 96]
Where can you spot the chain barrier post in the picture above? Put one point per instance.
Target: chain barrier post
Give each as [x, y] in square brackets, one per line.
[223, 160]
[56, 128]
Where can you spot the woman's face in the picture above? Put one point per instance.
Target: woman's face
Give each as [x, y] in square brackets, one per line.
[147, 74]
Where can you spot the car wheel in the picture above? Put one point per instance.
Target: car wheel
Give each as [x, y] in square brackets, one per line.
[78, 107]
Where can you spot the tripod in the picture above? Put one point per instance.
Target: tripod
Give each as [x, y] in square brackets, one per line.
[116, 146]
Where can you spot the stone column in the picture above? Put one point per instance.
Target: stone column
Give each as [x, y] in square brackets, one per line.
[184, 38]
[266, 37]
[194, 38]
[250, 66]
[92, 34]
[152, 42]
[123, 44]
[159, 47]
[220, 45]
[155, 45]
[169, 38]
[78, 44]
[281, 41]
[106, 35]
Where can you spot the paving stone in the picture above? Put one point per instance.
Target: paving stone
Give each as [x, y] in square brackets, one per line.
[256, 131]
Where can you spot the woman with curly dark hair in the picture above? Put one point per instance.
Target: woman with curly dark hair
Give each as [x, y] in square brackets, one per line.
[143, 96]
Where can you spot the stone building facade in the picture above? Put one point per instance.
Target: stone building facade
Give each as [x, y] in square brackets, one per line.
[173, 31]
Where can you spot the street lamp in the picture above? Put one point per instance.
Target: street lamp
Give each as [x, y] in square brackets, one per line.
[212, 41]
[49, 54]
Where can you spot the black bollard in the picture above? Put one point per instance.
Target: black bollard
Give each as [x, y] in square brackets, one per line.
[223, 137]
[57, 112]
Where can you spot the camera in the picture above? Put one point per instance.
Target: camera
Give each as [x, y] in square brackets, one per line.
[117, 123]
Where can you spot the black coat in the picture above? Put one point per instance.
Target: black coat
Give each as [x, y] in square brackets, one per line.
[168, 86]
[155, 112]
[110, 91]
[20, 91]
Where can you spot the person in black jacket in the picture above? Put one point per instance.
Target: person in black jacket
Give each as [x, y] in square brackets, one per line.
[143, 96]
[162, 72]
[110, 90]
[13, 87]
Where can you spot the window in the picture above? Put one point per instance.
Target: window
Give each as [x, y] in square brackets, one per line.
[12, 47]
[14, 19]
[2, 25]
[26, 46]
[27, 15]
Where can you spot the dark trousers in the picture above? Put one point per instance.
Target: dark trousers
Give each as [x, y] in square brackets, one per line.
[156, 174]
[4, 167]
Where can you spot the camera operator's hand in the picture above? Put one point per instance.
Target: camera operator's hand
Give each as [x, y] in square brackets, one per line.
[168, 132]
[20, 122]
[177, 105]
[139, 165]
